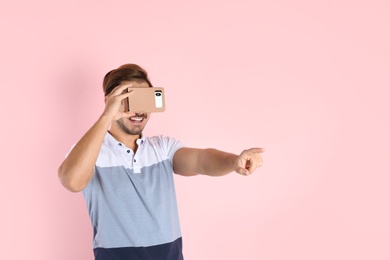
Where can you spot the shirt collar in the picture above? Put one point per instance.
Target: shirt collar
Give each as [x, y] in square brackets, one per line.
[111, 141]
[141, 140]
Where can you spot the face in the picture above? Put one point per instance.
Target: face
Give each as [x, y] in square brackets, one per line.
[135, 123]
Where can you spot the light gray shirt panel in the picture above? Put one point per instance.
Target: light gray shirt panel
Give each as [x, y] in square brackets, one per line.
[130, 208]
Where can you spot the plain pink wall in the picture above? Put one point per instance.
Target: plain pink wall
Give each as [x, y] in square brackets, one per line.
[307, 80]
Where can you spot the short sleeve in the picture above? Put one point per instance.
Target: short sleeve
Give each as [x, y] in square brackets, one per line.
[170, 145]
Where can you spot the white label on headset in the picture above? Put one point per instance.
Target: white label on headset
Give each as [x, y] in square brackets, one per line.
[158, 98]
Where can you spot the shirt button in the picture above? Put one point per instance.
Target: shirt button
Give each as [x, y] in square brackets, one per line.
[135, 160]
[128, 151]
[120, 144]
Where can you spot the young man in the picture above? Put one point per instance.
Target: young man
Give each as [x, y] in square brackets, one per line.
[127, 181]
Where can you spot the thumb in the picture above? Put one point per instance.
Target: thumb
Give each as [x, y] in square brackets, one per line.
[242, 171]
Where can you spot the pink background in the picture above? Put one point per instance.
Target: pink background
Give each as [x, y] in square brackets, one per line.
[307, 80]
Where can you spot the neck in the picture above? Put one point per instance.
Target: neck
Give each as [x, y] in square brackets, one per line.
[124, 138]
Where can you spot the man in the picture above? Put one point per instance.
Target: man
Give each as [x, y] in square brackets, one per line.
[127, 181]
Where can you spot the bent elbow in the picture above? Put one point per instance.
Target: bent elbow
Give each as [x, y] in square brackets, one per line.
[72, 187]
[68, 182]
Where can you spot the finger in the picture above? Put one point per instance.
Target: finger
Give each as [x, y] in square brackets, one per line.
[253, 165]
[250, 162]
[121, 96]
[256, 150]
[126, 114]
[256, 161]
[125, 95]
[242, 171]
[247, 156]
[119, 89]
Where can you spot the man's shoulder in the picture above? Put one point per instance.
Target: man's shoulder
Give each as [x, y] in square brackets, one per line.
[160, 140]
[163, 142]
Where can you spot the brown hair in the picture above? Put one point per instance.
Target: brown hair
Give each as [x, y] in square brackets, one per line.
[126, 72]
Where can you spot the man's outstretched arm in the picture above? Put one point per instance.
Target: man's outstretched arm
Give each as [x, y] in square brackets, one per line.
[212, 162]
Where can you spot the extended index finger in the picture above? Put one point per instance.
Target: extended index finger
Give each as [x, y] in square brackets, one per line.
[256, 150]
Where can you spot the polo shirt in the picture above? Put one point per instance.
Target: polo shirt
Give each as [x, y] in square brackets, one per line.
[131, 200]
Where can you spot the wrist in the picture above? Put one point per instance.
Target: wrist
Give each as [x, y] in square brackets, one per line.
[233, 161]
[105, 119]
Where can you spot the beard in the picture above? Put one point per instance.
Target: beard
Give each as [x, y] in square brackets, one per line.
[136, 130]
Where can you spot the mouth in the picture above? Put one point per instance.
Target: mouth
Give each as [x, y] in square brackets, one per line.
[137, 118]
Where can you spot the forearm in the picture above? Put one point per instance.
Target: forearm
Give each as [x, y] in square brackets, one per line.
[78, 168]
[216, 163]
